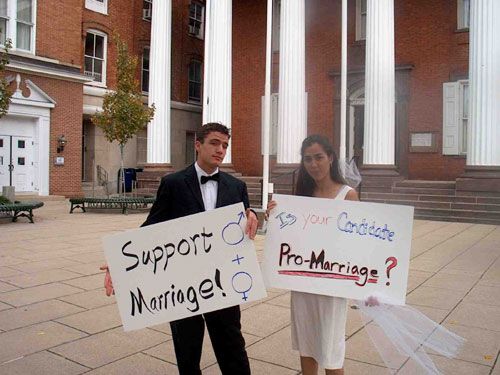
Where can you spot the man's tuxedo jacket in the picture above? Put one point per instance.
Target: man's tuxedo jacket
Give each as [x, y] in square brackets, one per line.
[179, 195]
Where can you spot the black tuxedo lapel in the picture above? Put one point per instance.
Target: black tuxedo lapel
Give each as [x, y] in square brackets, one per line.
[191, 179]
[222, 190]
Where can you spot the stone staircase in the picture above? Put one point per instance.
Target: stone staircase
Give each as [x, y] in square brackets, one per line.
[90, 189]
[437, 200]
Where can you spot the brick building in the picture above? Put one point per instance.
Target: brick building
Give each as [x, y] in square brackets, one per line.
[61, 65]
[417, 78]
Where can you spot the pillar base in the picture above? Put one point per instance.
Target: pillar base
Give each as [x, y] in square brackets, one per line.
[479, 179]
[228, 168]
[149, 180]
[284, 177]
[379, 175]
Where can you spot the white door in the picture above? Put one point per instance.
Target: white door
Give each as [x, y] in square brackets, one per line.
[4, 160]
[17, 163]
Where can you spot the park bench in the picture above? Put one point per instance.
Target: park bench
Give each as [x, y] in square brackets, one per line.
[20, 209]
[123, 203]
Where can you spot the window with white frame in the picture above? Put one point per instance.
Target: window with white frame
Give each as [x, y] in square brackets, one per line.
[360, 19]
[145, 70]
[17, 23]
[95, 56]
[99, 6]
[4, 18]
[455, 117]
[196, 15]
[147, 10]
[194, 81]
[463, 13]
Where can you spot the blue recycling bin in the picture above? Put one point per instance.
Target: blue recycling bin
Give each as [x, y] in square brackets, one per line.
[129, 176]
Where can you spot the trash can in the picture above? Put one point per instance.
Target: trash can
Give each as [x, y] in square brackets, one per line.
[129, 176]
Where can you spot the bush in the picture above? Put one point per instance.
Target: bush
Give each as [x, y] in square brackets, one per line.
[4, 200]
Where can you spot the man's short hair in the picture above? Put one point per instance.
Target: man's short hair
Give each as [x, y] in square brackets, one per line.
[210, 127]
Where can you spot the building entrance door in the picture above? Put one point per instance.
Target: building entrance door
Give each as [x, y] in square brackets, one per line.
[16, 162]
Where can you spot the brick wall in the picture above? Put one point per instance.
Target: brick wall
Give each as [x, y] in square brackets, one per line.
[249, 43]
[65, 119]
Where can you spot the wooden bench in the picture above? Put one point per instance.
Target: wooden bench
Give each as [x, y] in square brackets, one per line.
[123, 203]
[20, 209]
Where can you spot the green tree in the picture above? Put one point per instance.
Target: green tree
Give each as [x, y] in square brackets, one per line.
[5, 93]
[123, 113]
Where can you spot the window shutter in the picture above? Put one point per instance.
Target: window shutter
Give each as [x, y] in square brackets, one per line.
[450, 118]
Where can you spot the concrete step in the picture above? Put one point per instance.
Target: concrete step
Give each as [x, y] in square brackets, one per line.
[457, 219]
[471, 214]
[42, 198]
[422, 191]
[426, 184]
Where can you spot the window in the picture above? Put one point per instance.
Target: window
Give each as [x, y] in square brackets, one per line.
[276, 26]
[95, 56]
[17, 23]
[196, 13]
[4, 17]
[455, 117]
[360, 19]
[195, 81]
[21, 144]
[463, 13]
[145, 70]
[147, 9]
[99, 6]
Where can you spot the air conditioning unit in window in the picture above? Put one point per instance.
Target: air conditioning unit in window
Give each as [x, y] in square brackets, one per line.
[146, 13]
[193, 30]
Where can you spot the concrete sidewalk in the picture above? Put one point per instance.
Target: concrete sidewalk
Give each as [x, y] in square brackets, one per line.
[55, 318]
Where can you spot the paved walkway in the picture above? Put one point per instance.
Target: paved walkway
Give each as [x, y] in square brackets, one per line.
[55, 318]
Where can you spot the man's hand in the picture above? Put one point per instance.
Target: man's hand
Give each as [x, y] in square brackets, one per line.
[108, 283]
[252, 224]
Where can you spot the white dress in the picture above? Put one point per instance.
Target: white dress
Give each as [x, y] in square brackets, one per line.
[318, 323]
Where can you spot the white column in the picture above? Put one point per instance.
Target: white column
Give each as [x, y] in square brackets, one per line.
[218, 65]
[292, 104]
[159, 83]
[379, 128]
[484, 82]
[267, 106]
[343, 89]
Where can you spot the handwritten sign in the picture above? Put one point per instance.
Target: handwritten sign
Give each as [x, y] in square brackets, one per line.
[183, 267]
[338, 248]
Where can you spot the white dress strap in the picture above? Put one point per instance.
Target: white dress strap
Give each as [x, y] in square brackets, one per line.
[343, 192]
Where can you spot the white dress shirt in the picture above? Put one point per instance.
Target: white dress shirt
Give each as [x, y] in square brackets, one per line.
[208, 189]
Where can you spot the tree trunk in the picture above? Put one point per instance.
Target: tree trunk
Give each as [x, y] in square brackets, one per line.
[122, 174]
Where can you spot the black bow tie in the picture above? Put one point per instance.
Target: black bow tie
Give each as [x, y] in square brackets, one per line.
[214, 177]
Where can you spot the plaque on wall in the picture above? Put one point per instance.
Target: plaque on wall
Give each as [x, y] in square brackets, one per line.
[423, 142]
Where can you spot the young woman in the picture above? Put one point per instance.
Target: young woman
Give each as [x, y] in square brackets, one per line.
[318, 322]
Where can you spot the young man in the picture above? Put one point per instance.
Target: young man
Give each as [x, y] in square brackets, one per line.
[201, 187]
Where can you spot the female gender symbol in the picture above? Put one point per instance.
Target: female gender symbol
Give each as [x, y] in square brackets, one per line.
[232, 234]
[240, 281]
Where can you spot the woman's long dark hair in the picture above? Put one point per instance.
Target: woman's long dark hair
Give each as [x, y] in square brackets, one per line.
[305, 183]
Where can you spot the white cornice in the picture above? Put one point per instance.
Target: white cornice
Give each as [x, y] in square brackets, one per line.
[20, 67]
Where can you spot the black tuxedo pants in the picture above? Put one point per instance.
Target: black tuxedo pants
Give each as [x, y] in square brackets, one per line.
[224, 328]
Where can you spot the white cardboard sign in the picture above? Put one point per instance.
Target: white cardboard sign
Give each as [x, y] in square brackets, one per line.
[338, 248]
[183, 267]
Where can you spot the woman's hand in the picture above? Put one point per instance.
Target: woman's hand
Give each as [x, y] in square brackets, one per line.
[270, 206]
[108, 283]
